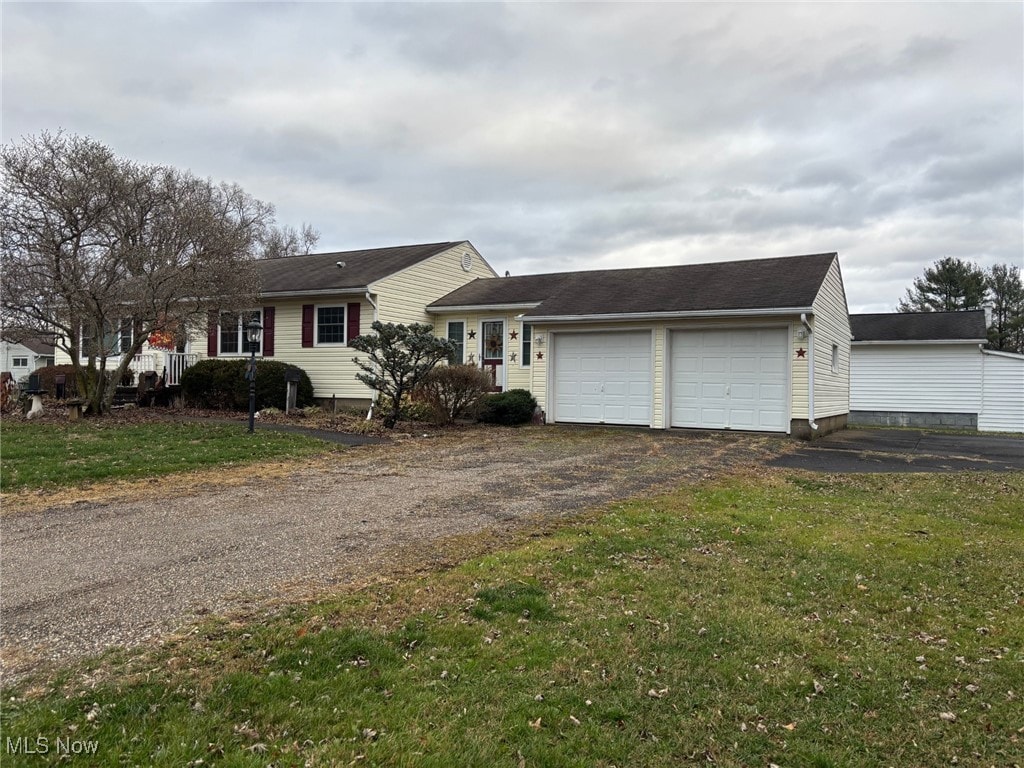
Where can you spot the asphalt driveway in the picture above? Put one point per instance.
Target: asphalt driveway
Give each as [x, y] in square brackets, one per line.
[905, 450]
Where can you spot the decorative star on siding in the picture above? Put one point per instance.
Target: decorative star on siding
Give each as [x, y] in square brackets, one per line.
[540, 355]
[512, 357]
[513, 334]
[472, 334]
[801, 352]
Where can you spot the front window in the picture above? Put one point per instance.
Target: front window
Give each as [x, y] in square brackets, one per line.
[330, 325]
[233, 338]
[116, 340]
[527, 345]
[20, 362]
[457, 336]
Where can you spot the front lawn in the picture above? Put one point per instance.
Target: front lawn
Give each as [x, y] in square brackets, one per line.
[34, 455]
[795, 620]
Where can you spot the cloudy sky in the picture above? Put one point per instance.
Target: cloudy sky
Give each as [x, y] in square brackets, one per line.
[566, 136]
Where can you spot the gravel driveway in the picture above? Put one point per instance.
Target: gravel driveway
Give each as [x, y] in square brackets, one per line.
[81, 577]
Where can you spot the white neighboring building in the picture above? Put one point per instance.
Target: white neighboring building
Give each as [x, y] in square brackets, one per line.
[23, 357]
[929, 369]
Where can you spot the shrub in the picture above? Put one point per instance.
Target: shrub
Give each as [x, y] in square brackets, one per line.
[454, 392]
[222, 384]
[516, 406]
[48, 375]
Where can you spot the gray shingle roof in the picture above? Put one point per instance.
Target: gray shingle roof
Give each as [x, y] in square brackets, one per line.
[319, 271]
[792, 281]
[919, 326]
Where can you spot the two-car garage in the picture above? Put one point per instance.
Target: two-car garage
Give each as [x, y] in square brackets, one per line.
[718, 378]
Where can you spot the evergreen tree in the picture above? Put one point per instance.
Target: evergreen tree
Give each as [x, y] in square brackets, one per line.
[1007, 302]
[948, 286]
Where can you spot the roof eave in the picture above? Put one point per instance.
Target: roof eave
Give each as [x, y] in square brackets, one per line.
[872, 342]
[481, 307]
[707, 313]
[314, 292]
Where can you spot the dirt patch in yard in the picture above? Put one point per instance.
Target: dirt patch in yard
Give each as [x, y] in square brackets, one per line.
[124, 563]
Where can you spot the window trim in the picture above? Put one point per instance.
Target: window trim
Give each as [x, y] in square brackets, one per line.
[448, 335]
[525, 357]
[316, 325]
[243, 340]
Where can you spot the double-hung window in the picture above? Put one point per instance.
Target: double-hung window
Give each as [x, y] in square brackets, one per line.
[457, 336]
[330, 325]
[233, 337]
[527, 351]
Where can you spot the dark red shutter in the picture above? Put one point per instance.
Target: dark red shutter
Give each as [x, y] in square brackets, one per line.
[211, 334]
[268, 331]
[352, 325]
[307, 325]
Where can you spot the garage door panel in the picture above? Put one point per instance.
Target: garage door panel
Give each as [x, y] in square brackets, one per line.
[743, 391]
[613, 382]
[730, 378]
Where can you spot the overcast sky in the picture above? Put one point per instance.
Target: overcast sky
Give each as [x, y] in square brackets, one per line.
[570, 136]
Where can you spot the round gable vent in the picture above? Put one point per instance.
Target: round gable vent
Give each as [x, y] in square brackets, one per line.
[467, 261]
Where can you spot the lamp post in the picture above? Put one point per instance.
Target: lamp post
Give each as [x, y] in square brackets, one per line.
[252, 332]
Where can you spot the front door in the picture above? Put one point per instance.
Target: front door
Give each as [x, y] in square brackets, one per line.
[492, 356]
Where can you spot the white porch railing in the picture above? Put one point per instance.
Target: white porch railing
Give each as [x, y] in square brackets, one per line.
[140, 363]
[169, 364]
[175, 364]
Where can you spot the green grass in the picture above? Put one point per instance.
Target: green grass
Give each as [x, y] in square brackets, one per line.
[50, 456]
[796, 620]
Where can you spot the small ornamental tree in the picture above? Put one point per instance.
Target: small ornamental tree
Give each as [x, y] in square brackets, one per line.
[399, 356]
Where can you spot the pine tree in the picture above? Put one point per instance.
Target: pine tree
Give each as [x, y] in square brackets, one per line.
[948, 286]
[1007, 302]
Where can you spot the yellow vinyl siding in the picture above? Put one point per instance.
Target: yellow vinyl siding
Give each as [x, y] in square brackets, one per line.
[798, 371]
[831, 326]
[404, 296]
[330, 368]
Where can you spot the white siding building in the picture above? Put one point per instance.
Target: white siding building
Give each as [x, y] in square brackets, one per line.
[929, 370]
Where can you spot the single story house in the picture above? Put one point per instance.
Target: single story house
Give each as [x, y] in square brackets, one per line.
[22, 357]
[930, 369]
[759, 345]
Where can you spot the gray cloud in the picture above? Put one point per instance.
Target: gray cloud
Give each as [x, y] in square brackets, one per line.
[566, 136]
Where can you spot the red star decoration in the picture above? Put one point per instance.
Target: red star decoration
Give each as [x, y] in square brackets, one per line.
[472, 334]
[513, 334]
[801, 352]
[540, 355]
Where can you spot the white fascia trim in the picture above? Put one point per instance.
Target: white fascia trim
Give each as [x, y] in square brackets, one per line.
[316, 292]
[994, 352]
[536, 319]
[482, 308]
[915, 342]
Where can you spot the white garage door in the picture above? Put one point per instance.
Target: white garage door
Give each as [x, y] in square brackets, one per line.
[603, 378]
[730, 379]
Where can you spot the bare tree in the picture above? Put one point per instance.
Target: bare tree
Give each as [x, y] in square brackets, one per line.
[102, 252]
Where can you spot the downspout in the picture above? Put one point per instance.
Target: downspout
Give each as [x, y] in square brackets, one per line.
[810, 374]
[376, 313]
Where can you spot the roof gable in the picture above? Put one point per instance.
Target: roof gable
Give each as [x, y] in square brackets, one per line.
[920, 326]
[320, 273]
[790, 282]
